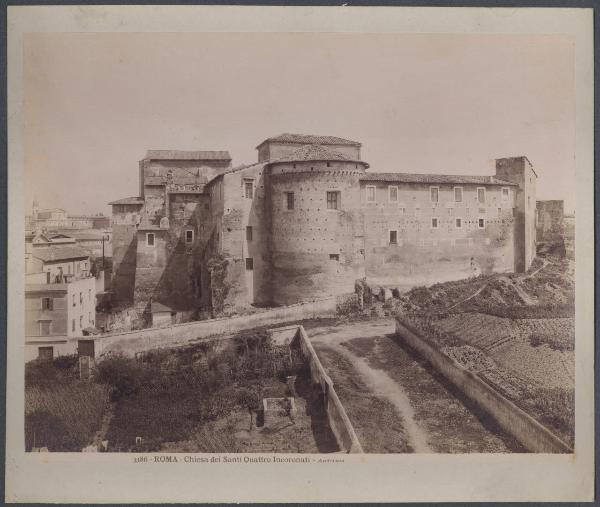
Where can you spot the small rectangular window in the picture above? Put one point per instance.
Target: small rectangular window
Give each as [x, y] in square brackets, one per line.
[370, 193]
[393, 193]
[47, 303]
[73, 325]
[74, 300]
[417, 212]
[332, 200]
[150, 239]
[46, 353]
[402, 211]
[189, 236]
[289, 200]
[80, 321]
[499, 211]
[334, 257]
[458, 223]
[81, 298]
[481, 194]
[393, 237]
[248, 189]
[434, 222]
[481, 223]
[45, 328]
[249, 263]
[434, 194]
[458, 191]
[248, 233]
[505, 193]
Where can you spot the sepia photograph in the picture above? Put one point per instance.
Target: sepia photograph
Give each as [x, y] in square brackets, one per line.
[247, 245]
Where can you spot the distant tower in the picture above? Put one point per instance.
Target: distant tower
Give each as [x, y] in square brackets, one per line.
[35, 209]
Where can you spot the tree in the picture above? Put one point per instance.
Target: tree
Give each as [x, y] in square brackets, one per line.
[248, 398]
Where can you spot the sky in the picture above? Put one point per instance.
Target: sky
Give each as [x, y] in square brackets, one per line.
[418, 103]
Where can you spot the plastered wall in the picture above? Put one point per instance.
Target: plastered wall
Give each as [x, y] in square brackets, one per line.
[424, 254]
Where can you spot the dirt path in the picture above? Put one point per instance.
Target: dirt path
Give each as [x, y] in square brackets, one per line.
[381, 383]
[433, 416]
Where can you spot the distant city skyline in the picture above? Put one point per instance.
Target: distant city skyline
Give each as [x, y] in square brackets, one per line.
[95, 103]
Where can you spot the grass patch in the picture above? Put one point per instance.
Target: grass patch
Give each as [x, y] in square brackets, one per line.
[62, 412]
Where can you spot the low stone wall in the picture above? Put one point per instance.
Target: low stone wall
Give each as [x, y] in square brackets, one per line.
[530, 433]
[338, 419]
[131, 342]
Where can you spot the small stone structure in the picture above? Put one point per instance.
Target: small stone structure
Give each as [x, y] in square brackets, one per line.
[278, 412]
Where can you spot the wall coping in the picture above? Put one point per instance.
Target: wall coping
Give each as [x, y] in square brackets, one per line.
[216, 320]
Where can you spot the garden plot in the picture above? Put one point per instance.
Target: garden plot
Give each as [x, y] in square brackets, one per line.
[508, 342]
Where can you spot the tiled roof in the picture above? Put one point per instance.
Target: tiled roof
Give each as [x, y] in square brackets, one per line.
[435, 178]
[159, 307]
[309, 139]
[236, 169]
[315, 152]
[128, 200]
[187, 155]
[59, 253]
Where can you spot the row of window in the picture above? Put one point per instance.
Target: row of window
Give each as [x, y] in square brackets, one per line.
[48, 303]
[458, 224]
[151, 238]
[434, 193]
[49, 300]
[90, 322]
[334, 197]
[46, 325]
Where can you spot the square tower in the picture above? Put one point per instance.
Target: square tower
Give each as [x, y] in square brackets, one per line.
[520, 171]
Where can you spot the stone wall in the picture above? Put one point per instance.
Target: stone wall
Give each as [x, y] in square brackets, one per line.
[124, 252]
[424, 255]
[133, 342]
[530, 433]
[338, 419]
[550, 221]
[316, 251]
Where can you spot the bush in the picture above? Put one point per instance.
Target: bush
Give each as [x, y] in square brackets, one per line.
[554, 341]
[169, 395]
[124, 374]
[348, 306]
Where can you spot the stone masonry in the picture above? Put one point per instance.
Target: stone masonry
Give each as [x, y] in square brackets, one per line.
[306, 221]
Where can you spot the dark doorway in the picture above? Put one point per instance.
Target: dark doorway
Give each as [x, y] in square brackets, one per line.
[86, 348]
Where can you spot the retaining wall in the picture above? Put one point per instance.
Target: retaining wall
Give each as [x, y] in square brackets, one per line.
[338, 419]
[530, 433]
[131, 342]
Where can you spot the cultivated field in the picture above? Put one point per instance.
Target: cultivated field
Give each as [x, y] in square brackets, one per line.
[517, 332]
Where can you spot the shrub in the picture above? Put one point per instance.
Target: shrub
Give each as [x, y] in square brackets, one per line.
[124, 374]
[554, 341]
[348, 306]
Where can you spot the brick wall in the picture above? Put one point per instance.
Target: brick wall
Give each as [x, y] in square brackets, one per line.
[316, 251]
